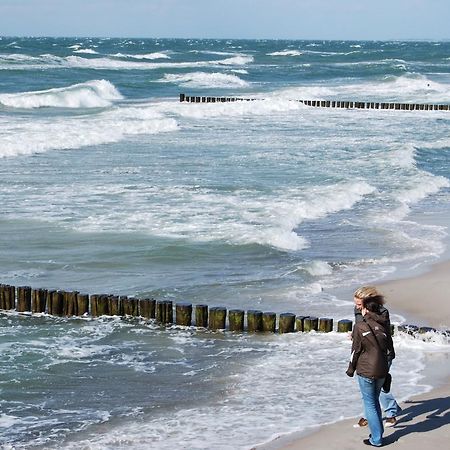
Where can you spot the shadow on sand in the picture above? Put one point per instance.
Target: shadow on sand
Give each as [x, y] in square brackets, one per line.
[427, 415]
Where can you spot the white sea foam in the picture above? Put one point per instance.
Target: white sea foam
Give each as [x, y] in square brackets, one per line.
[409, 88]
[150, 56]
[286, 53]
[318, 268]
[76, 132]
[428, 185]
[235, 109]
[48, 61]
[207, 80]
[7, 421]
[87, 51]
[91, 94]
[236, 61]
[250, 412]
[239, 218]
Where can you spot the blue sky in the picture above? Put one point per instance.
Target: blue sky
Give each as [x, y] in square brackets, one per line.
[274, 19]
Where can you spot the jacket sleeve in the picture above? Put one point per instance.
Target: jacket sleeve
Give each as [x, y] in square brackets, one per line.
[356, 351]
[390, 348]
[390, 344]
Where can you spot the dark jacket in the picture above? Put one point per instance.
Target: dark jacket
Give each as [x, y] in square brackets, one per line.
[370, 352]
[385, 314]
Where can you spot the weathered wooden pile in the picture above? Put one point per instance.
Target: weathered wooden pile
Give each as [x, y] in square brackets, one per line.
[25, 299]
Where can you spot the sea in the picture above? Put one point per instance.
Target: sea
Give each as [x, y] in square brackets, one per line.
[110, 185]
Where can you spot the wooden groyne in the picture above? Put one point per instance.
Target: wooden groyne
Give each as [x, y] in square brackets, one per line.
[326, 103]
[25, 299]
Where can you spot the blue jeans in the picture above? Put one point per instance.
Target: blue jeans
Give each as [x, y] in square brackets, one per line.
[370, 392]
[389, 404]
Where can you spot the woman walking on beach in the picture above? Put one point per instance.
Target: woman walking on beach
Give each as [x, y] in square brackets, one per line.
[371, 347]
[388, 403]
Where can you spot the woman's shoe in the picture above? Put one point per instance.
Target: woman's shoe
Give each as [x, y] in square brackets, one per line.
[361, 423]
[391, 421]
[367, 442]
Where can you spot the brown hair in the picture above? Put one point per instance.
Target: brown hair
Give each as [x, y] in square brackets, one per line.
[369, 293]
[371, 304]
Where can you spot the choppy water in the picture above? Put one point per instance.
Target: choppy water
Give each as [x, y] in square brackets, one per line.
[108, 184]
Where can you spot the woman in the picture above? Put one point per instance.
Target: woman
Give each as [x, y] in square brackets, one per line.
[371, 346]
[387, 399]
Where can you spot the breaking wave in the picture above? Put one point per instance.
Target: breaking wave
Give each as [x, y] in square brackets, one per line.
[207, 80]
[92, 94]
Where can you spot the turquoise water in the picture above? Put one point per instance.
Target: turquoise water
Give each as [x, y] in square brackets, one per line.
[108, 184]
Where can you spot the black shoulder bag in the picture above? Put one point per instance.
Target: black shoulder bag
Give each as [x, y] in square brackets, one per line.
[388, 379]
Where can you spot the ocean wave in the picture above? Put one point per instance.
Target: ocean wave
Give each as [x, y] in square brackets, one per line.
[240, 60]
[61, 133]
[204, 215]
[420, 189]
[48, 61]
[150, 56]
[235, 109]
[207, 80]
[409, 87]
[91, 94]
[285, 53]
[87, 51]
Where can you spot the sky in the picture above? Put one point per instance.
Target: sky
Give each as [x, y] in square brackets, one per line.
[245, 19]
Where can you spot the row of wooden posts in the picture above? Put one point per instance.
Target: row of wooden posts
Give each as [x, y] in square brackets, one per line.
[25, 299]
[327, 103]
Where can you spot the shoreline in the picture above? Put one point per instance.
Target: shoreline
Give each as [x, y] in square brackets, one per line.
[423, 300]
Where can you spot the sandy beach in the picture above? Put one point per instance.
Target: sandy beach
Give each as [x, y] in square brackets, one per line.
[425, 419]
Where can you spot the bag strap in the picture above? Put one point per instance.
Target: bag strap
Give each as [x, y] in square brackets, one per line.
[376, 339]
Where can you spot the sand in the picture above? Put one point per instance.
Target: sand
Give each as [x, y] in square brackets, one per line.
[425, 420]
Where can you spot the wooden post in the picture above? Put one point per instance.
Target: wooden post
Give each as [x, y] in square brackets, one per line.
[160, 311]
[236, 320]
[70, 303]
[82, 304]
[147, 308]
[299, 323]
[182, 97]
[269, 322]
[49, 301]
[286, 323]
[254, 321]
[344, 326]
[38, 300]
[23, 298]
[131, 306]
[168, 311]
[310, 324]
[94, 299]
[103, 305]
[183, 314]
[2, 296]
[325, 325]
[114, 306]
[201, 316]
[217, 316]
[57, 303]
